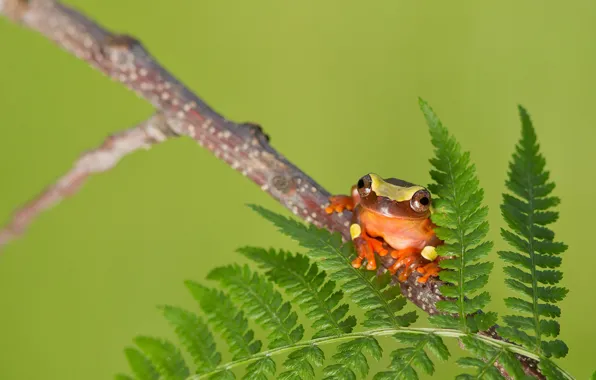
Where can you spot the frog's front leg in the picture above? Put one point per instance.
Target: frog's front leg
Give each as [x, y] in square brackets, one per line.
[366, 245]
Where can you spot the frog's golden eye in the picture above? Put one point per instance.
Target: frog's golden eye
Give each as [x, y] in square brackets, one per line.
[364, 186]
[420, 201]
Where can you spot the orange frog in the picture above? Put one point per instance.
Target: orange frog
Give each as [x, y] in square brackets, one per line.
[391, 216]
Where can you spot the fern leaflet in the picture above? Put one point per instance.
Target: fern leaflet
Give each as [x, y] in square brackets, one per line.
[225, 318]
[300, 363]
[486, 357]
[165, 357]
[403, 360]
[381, 301]
[351, 360]
[140, 364]
[195, 336]
[462, 224]
[262, 303]
[306, 284]
[527, 210]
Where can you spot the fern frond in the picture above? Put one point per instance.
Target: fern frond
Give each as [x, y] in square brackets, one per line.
[261, 369]
[227, 319]
[405, 361]
[373, 294]
[306, 284]
[167, 359]
[300, 363]
[462, 224]
[262, 303]
[140, 364]
[486, 357]
[527, 211]
[551, 371]
[195, 337]
[351, 359]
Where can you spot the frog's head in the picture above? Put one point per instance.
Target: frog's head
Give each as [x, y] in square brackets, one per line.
[394, 197]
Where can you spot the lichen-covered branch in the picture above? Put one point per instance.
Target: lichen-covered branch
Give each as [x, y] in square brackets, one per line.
[243, 146]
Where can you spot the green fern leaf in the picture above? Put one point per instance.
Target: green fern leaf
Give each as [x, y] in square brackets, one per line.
[549, 370]
[405, 361]
[482, 321]
[261, 302]
[527, 211]
[225, 318]
[381, 301]
[462, 224]
[351, 359]
[486, 357]
[195, 336]
[166, 358]
[260, 370]
[300, 364]
[306, 284]
[140, 364]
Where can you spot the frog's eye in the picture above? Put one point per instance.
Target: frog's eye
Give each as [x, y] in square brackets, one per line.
[364, 186]
[420, 201]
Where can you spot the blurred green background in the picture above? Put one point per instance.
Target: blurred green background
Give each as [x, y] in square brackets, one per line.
[335, 83]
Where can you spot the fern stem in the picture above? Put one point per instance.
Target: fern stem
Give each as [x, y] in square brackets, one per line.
[489, 364]
[502, 345]
[462, 311]
[532, 257]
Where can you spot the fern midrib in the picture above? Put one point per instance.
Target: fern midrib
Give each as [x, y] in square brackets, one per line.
[315, 292]
[462, 314]
[368, 284]
[537, 329]
[489, 364]
[450, 333]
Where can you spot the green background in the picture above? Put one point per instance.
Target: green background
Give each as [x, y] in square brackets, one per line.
[335, 83]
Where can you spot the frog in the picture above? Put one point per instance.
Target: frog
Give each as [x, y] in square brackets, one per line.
[391, 216]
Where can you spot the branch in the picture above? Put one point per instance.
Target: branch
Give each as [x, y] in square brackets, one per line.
[243, 146]
[114, 148]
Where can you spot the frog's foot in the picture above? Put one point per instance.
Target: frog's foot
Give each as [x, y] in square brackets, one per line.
[404, 258]
[365, 252]
[338, 203]
[428, 270]
[376, 245]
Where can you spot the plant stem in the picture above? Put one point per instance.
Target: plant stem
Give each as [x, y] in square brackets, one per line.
[376, 332]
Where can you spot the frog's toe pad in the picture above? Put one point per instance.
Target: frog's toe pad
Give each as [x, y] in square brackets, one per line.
[429, 252]
[429, 270]
[338, 203]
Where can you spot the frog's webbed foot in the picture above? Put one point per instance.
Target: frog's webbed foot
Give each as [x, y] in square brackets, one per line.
[365, 252]
[338, 203]
[428, 270]
[411, 259]
[366, 247]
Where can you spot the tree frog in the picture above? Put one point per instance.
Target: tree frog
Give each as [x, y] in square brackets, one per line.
[391, 216]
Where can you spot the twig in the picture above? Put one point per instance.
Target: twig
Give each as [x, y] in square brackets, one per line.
[243, 146]
[114, 148]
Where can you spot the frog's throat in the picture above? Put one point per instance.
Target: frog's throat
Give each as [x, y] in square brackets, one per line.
[393, 192]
